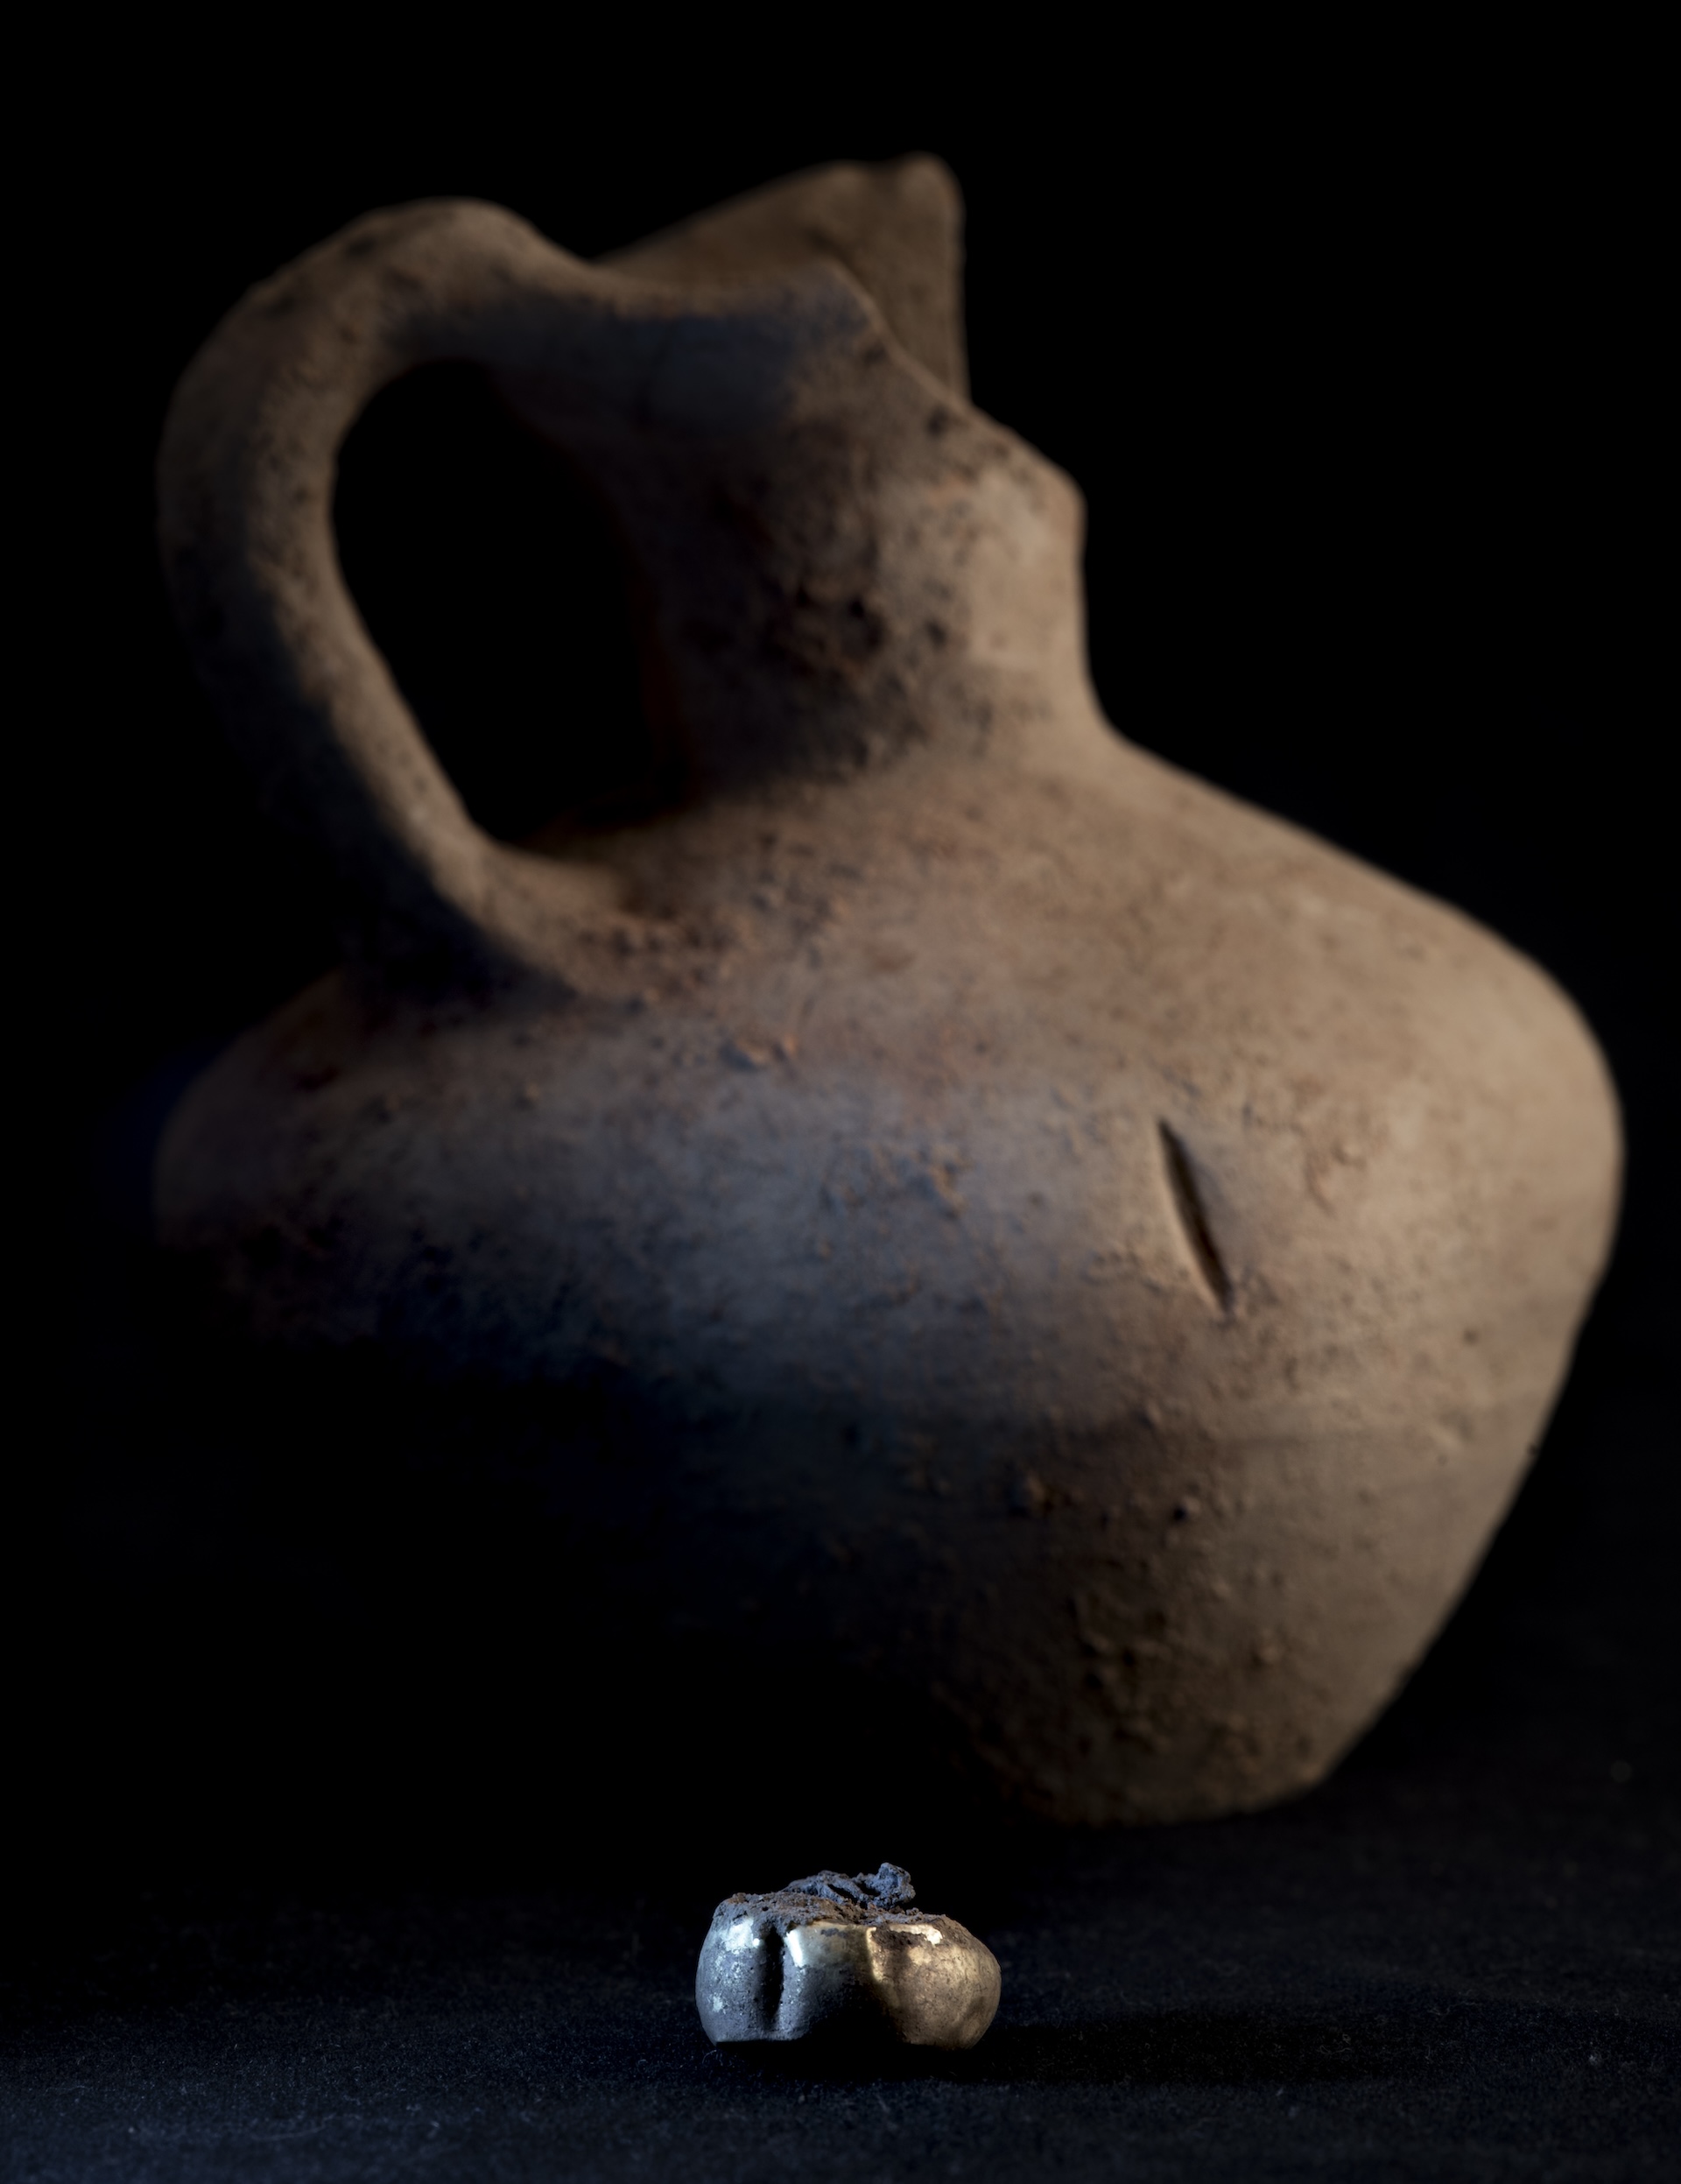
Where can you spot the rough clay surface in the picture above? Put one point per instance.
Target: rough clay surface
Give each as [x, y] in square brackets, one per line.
[1052, 1236]
[829, 1954]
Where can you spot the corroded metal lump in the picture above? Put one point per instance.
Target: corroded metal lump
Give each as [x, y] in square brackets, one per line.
[833, 1953]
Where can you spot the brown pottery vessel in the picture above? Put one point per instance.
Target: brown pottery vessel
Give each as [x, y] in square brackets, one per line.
[1067, 1243]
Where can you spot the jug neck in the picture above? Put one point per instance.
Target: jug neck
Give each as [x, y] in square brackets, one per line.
[849, 565]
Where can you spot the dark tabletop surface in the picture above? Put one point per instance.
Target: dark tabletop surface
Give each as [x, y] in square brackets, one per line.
[330, 1889]
[1408, 1976]
[334, 1852]
[1404, 1980]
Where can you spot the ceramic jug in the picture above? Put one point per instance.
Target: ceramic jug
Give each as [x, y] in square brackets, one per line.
[1069, 1245]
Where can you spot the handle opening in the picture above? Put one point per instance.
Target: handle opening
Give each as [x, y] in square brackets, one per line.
[493, 580]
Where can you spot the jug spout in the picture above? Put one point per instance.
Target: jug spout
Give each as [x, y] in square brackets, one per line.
[897, 226]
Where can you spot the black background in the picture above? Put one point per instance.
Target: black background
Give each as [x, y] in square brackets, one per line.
[1356, 360]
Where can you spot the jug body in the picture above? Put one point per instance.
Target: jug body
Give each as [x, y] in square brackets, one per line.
[1055, 1239]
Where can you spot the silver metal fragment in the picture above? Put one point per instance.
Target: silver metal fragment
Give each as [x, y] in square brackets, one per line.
[833, 1953]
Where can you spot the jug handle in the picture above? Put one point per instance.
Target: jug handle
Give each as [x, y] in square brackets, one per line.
[246, 474]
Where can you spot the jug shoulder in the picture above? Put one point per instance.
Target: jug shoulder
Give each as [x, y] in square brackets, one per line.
[1054, 1043]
